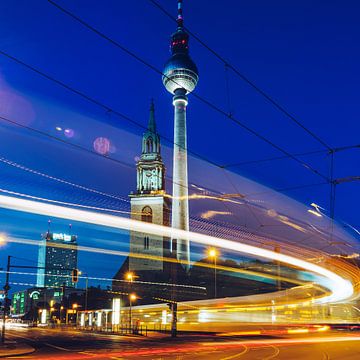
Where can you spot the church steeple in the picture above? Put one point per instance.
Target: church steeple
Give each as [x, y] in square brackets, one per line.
[152, 123]
[150, 167]
[149, 203]
[151, 139]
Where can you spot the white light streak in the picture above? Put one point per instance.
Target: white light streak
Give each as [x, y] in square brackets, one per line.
[341, 288]
[314, 213]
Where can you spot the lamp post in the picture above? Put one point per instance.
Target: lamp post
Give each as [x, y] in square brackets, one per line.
[86, 291]
[61, 313]
[213, 254]
[74, 312]
[132, 297]
[6, 291]
[129, 276]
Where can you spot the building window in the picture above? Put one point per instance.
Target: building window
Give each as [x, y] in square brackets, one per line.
[149, 145]
[146, 214]
[146, 242]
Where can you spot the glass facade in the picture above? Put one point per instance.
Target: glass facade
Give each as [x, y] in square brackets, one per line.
[57, 258]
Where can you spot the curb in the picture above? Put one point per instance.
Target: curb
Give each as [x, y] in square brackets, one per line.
[27, 352]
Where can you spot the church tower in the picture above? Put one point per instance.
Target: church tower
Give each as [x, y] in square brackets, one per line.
[149, 203]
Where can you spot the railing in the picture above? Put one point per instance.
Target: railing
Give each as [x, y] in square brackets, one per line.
[121, 329]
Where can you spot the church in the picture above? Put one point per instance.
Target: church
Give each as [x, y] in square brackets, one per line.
[150, 256]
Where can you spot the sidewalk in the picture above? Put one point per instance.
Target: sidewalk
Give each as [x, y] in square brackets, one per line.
[14, 348]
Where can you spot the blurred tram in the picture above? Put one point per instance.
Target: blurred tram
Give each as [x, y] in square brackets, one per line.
[221, 315]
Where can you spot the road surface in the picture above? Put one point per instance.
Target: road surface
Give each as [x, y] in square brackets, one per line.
[72, 344]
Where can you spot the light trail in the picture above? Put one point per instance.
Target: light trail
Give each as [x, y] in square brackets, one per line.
[341, 288]
[50, 177]
[106, 279]
[166, 259]
[64, 203]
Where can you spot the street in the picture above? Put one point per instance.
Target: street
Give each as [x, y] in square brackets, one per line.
[73, 344]
[179, 180]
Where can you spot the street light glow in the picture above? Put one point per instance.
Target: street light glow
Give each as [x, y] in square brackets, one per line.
[2, 240]
[213, 253]
[129, 276]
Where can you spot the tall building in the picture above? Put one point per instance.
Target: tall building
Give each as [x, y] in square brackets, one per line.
[180, 78]
[149, 203]
[56, 260]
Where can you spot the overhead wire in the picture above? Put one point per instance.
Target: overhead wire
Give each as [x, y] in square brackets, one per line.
[203, 100]
[228, 65]
[94, 101]
[107, 108]
[39, 173]
[257, 161]
[111, 110]
[269, 98]
[79, 147]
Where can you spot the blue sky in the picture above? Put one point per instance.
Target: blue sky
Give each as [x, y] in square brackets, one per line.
[304, 54]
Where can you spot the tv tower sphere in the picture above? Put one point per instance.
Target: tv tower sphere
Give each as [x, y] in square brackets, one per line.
[180, 72]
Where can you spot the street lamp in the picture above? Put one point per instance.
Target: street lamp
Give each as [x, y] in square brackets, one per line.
[213, 253]
[129, 276]
[132, 297]
[51, 310]
[74, 312]
[2, 240]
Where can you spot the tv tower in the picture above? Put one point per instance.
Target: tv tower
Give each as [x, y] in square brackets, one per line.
[180, 77]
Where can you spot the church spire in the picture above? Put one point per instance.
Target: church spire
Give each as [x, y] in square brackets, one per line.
[152, 123]
[150, 167]
[151, 139]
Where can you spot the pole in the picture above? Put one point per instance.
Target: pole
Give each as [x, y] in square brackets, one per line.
[332, 195]
[173, 269]
[130, 320]
[215, 288]
[63, 302]
[130, 289]
[86, 292]
[6, 288]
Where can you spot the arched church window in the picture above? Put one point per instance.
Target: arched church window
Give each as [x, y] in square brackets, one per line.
[149, 145]
[146, 214]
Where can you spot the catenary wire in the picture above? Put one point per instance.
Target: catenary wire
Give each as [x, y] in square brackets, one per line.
[228, 65]
[79, 147]
[108, 109]
[203, 100]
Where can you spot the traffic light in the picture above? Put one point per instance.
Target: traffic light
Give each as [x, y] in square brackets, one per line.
[75, 275]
